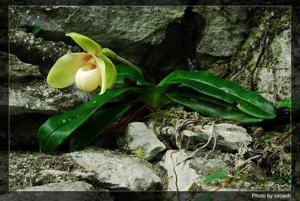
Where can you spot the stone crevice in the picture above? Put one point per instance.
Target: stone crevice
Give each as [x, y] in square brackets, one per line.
[174, 171]
[179, 46]
[262, 45]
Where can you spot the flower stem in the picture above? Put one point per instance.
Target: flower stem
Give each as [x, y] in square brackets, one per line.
[122, 60]
[109, 53]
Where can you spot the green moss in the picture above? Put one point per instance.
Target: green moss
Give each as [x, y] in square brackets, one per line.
[139, 152]
[193, 187]
[25, 168]
[164, 182]
[265, 139]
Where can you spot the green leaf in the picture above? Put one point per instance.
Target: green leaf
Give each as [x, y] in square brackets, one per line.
[86, 43]
[62, 73]
[210, 106]
[154, 96]
[290, 104]
[284, 104]
[124, 71]
[36, 29]
[100, 119]
[59, 127]
[215, 176]
[206, 83]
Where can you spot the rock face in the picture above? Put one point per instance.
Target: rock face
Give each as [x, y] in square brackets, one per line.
[263, 62]
[36, 96]
[275, 82]
[117, 26]
[99, 167]
[141, 141]
[19, 70]
[116, 170]
[37, 51]
[224, 31]
[130, 31]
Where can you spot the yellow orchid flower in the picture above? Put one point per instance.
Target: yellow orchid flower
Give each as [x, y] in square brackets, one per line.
[88, 69]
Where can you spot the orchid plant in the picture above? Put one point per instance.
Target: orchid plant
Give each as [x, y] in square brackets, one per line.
[200, 91]
[88, 69]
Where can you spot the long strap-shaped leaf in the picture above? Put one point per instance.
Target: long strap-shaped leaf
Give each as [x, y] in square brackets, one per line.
[204, 82]
[210, 106]
[59, 127]
[100, 119]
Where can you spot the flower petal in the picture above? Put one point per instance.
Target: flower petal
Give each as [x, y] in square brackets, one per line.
[87, 79]
[108, 72]
[62, 74]
[85, 43]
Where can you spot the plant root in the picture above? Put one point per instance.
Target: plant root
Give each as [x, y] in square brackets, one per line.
[212, 135]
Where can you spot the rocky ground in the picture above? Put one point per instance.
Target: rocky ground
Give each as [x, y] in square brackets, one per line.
[177, 151]
[171, 149]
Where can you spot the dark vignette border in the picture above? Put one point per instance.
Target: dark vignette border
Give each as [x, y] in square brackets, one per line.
[151, 2]
[295, 118]
[117, 195]
[4, 99]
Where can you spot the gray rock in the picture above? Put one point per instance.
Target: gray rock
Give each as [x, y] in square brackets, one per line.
[274, 82]
[230, 137]
[141, 141]
[29, 169]
[19, 70]
[179, 177]
[224, 30]
[38, 51]
[36, 96]
[62, 186]
[116, 170]
[56, 176]
[183, 176]
[118, 26]
[102, 168]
